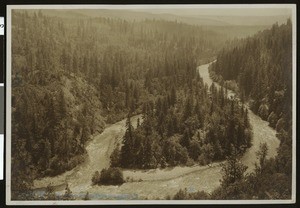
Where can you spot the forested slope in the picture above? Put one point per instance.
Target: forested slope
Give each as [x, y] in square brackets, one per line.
[259, 68]
[185, 129]
[71, 76]
[262, 67]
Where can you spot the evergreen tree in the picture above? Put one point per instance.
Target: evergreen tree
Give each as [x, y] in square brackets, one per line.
[233, 170]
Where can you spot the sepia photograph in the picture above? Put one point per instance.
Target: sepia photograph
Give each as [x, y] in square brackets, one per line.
[143, 104]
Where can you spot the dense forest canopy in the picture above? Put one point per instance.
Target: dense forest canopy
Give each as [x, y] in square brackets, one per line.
[73, 76]
[183, 129]
[261, 68]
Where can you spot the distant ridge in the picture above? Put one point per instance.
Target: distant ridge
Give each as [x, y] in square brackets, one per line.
[204, 20]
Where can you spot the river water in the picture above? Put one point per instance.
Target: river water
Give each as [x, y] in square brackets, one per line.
[155, 183]
[262, 132]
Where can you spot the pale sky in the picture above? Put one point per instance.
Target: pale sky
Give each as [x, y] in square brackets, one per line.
[223, 11]
[186, 9]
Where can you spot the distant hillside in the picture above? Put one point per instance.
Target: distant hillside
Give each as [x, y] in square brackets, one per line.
[229, 27]
[243, 20]
[136, 15]
[130, 15]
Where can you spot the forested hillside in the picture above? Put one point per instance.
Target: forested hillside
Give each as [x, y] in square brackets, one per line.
[259, 68]
[262, 68]
[71, 76]
[193, 126]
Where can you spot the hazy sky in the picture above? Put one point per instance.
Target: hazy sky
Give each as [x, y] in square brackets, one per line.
[223, 11]
[212, 10]
[189, 9]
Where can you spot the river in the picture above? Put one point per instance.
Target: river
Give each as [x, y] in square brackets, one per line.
[262, 132]
[155, 183]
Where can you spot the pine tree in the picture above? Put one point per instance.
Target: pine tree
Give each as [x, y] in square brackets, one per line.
[261, 156]
[232, 170]
[115, 157]
[127, 148]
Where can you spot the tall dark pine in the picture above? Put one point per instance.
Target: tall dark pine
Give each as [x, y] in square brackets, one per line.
[127, 148]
